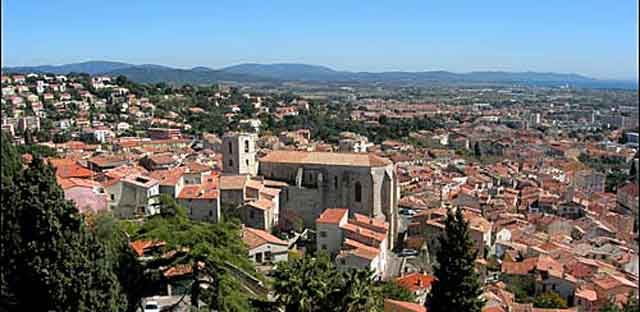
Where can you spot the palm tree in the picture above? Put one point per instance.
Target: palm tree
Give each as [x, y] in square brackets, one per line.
[360, 292]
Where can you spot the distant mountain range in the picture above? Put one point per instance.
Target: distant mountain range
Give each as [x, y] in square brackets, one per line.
[277, 73]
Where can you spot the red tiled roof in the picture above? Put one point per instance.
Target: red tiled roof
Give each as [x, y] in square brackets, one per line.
[391, 305]
[256, 238]
[332, 215]
[199, 191]
[415, 281]
[358, 249]
[262, 204]
[326, 158]
[140, 245]
[178, 270]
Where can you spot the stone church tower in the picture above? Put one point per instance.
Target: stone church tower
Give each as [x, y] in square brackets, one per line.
[239, 153]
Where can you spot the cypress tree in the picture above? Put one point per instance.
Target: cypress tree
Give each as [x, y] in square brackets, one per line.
[457, 286]
[51, 256]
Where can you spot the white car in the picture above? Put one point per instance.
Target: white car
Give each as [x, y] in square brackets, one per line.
[151, 306]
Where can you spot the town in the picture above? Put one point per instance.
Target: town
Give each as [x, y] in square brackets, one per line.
[365, 177]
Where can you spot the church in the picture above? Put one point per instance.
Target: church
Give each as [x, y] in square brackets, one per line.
[363, 183]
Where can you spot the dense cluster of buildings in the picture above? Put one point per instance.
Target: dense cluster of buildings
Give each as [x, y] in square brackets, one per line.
[535, 210]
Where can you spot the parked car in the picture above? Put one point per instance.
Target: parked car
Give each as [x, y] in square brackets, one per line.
[151, 306]
[408, 253]
[407, 212]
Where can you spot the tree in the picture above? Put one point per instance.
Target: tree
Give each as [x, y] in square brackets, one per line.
[28, 137]
[630, 306]
[211, 247]
[476, 150]
[549, 300]
[307, 284]
[49, 252]
[11, 164]
[359, 293]
[314, 284]
[457, 286]
[61, 137]
[391, 290]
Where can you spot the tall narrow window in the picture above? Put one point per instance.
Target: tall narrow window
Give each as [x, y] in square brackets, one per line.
[358, 192]
[246, 146]
[230, 148]
[335, 182]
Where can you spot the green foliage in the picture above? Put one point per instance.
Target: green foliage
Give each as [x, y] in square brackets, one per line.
[36, 150]
[211, 244]
[11, 164]
[457, 286]
[391, 290]
[630, 306]
[314, 284]
[61, 137]
[549, 300]
[48, 252]
[523, 287]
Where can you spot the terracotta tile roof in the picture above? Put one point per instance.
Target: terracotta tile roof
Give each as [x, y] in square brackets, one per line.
[325, 158]
[68, 168]
[256, 238]
[358, 249]
[233, 182]
[519, 268]
[586, 294]
[415, 281]
[75, 182]
[104, 161]
[199, 191]
[373, 223]
[391, 305]
[140, 245]
[357, 231]
[332, 215]
[178, 270]
[253, 184]
[262, 204]
[272, 192]
[195, 167]
[168, 177]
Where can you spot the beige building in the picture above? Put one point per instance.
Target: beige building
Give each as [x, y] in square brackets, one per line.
[239, 153]
[365, 183]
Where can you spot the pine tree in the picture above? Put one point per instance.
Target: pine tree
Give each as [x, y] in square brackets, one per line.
[50, 254]
[457, 286]
[10, 160]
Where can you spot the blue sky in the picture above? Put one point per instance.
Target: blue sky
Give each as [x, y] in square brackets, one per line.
[595, 38]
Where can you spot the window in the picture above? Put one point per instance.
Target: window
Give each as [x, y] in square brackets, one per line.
[267, 256]
[358, 192]
[210, 213]
[252, 214]
[230, 162]
[230, 148]
[335, 182]
[323, 234]
[113, 197]
[246, 146]
[246, 162]
[342, 261]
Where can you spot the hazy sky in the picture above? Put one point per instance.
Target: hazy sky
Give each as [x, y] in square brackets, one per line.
[595, 38]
